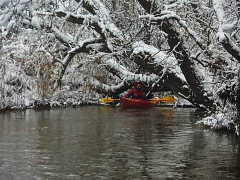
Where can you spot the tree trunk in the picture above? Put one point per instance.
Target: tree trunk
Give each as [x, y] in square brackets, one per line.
[190, 71]
[238, 100]
[187, 65]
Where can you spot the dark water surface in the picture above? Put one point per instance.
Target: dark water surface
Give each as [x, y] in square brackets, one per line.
[96, 143]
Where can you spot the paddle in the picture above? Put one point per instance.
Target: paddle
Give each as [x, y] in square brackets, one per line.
[167, 99]
[108, 100]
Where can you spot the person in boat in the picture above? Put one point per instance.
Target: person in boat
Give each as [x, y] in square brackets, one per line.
[137, 92]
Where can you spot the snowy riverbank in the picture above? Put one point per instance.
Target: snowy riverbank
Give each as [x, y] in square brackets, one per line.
[65, 98]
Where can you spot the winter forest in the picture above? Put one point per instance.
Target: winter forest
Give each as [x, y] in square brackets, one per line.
[71, 52]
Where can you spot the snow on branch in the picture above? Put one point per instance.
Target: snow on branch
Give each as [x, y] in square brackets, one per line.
[96, 7]
[231, 47]
[78, 19]
[5, 17]
[166, 15]
[225, 28]
[108, 89]
[124, 85]
[160, 58]
[83, 46]
[76, 48]
[127, 75]
[91, 20]
[64, 38]
[165, 66]
[171, 5]
[8, 11]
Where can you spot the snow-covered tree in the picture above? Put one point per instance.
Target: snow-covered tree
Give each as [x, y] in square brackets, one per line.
[188, 47]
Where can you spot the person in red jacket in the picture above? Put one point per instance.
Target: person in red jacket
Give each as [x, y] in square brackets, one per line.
[137, 92]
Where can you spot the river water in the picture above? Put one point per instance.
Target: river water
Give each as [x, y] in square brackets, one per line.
[101, 142]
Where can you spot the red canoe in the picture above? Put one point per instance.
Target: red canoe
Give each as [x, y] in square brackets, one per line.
[135, 103]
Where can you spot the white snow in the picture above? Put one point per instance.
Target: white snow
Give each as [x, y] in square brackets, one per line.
[161, 58]
[18, 43]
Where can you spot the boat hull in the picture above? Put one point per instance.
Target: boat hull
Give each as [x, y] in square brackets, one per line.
[135, 103]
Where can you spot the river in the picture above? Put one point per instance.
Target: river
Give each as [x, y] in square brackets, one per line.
[101, 142]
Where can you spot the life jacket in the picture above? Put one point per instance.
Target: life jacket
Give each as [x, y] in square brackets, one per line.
[135, 93]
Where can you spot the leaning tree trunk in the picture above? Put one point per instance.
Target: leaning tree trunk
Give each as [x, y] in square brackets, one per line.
[187, 65]
[238, 100]
[176, 43]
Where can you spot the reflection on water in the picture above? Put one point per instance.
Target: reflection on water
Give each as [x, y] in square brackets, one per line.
[112, 143]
